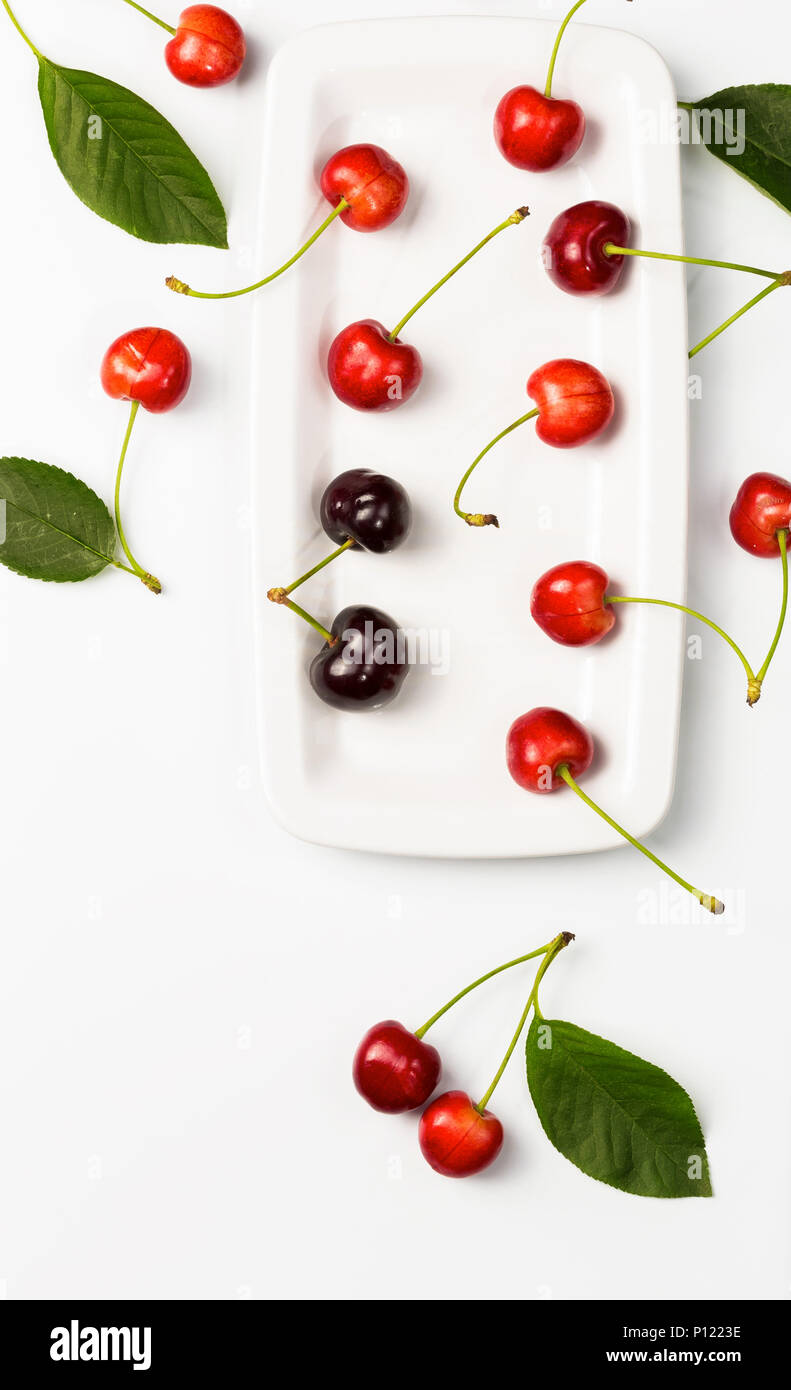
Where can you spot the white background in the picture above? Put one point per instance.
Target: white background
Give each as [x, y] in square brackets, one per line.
[181, 984]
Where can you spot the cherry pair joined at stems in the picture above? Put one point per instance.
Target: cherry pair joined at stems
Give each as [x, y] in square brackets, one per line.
[586, 247]
[368, 190]
[396, 1071]
[547, 749]
[369, 368]
[534, 130]
[149, 367]
[207, 48]
[571, 603]
[370, 511]
[575, 403]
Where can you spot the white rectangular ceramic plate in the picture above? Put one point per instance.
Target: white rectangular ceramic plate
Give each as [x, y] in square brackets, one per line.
[427, 775]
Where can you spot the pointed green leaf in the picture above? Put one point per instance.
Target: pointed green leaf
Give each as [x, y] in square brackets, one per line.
[618, 1118]
[126, 162]
[762, 112]
[52, 526]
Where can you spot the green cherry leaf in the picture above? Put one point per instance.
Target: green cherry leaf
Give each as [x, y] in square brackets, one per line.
[126, 162]
[618, 1118]
[52, 526]
[765, 110]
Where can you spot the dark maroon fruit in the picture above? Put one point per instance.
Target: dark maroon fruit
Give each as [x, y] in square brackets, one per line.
[370, 508]
[366, 666]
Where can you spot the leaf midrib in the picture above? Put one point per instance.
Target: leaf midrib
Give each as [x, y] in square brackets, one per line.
[62, 74]
[45, 521]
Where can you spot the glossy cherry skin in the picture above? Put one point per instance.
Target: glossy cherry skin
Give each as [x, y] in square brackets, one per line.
[368, 372]
[455, 1138]
[536, 132]
[762, 508]
[351, 675]
[208, 47]
[568, 604]
[372, 182]
[540, 742]
[369, 508]
[573, 250]
[575, 402]
[393, 1070]
[149, 365]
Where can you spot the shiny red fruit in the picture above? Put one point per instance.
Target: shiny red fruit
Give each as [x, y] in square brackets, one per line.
[149, 365]
[568, 604]
[540, 742]
[457, 1139]
[573, 251]
[575, 402]
[368, 372]
[208, 47]
[371, 181]
[537, 132]
[762, 508]
[393, 1070]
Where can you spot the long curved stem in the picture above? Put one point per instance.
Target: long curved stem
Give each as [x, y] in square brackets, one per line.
[151, 16]
[512, 221]
[561, 32]
[611, 250]
[179, 287]
[554, 949]
[705, 899]
[782, 280]
[681, 608]
[278, 595]
[486, 518]
[540, 951]
[19, 29]
[782, 541]
[142, 574]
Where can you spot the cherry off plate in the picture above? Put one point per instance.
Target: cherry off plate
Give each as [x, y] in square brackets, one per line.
[427, 776]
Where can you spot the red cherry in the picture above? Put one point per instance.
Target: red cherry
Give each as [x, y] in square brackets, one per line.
[762, 508]
[456, 1138]
[208, 47]
[573, 251]
[575, 402]
[393, 1070]
[536, 132]
[149, 365]
[368, 372]
[568, 604]
[370, 180]
[540, 742]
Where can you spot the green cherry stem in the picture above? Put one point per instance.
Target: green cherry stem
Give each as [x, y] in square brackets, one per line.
[561, 32]
[179, 287]
[782, 541]
[151, 16]
[681, 608]
[276, 595]
[751, 303]
[146, 578]
[610, 249]
[512, 221]
[554, 949]
[531, 955]
[281, 596]
[486, 518]
[20, 30]
[710, 903]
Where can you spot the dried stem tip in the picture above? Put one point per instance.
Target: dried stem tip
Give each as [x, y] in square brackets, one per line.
[278, 595]
[519, 215]
[481, 519]
[177, 286]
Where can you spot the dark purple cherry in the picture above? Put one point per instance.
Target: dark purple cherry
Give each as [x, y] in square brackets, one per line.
[367, 664]
[367, 507]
